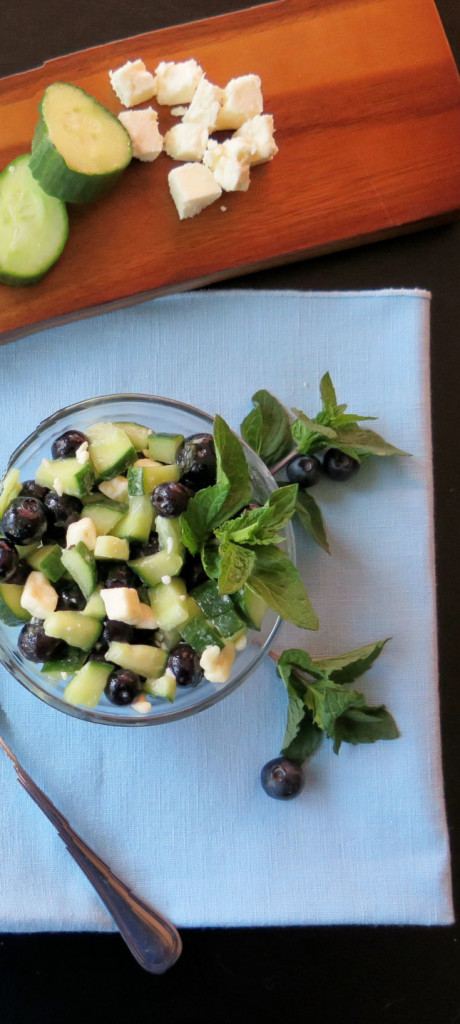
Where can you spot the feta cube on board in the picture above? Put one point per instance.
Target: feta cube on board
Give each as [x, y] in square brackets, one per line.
[229, 163]
[258, 133]
[186, 142]
[132, 83]
[205, 105]
[193, 187]
[142, 128]
[241, 100]
[177, 82]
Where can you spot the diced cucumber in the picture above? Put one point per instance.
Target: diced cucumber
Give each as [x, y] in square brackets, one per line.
[95, 607]
[169, 603]
[164, 446]
[88, 684]
[11, 487]
[65, 666]
[74, 477]
[76, 628]
[79, 148]
[169, 638]
[33, 225]
[144, 479]
[111, 549]
[97, 498]
[147, 661]
[199, 633]
[218, 608]
[164, 687]
[103, 518]
[110, 449]
[170, 534]
[137, 523]
[81, 564]
[229, 624]
[11, 611]
[138, 434]
[250, 606]
[152, 568]
[24, 550]
[47, 560]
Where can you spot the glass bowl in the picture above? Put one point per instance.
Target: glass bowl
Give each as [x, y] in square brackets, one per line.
[164, 415]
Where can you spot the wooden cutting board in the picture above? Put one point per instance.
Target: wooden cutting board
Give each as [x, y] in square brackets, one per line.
[366, 100]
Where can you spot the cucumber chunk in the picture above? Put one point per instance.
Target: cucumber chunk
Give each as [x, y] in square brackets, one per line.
[199, 633]
[144, 479]
[95, 607]
[151, 568]
[81, 564]
[164, 446]
[164, 687]
[170, 535]
[169, 604]
[77, 629]
[61, 668]
[137, 523]
[88, 684]
[79, 148]
[74, 477]
[250, 606]
[47, 560]
[111, 549]
[11, 611]
[147, 661]
[138, 435]
[11, 487]
[33, 226]
[104, 518]
[218, 608]
[110, 449]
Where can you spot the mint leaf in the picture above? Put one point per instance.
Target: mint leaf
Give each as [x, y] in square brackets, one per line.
[310, 516]
[261, 525]
[266, 428]
[364, 725]
[236, 565]
[302, 736]
[328, 395]
[359, 443]
[210, 557]
[309, 435]
[277, 580]
[292, 660]
[202, 514]
[327, 701]
[345, 668]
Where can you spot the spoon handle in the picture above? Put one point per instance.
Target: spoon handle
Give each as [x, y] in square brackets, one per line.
[152, 939]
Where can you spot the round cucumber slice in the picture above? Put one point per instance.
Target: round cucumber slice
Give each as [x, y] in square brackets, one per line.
[79, 148]
[33, 226]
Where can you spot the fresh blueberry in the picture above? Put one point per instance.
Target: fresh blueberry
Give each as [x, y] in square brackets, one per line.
[65, 446]
[122, 686]
[20, 574]
[338, 465]
[113, 630]
[193, 571]
[70, 598]
[24, 521]
[304, 470]
[170, 500]
[196, 458]
[145, 636]
[35, 645]
[184, 663]
[62, 509]
[281, 778]
[121, 576]
[32, 490]
[9, 560]
[143, 548]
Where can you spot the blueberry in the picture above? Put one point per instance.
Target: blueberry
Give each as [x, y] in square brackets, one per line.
[143, 548]
[170, 500]
[184, 663]
[122, 686]
[304, 470]
[65, 446]
[20, 574]
[338, 465]
[35, 645]
[32, 490]
[62, 509]
[113, 630]
[121, 576]
[24, 520]
[193, 571]
[196, 458]
[9, 560]
[70, 598]
[281, 778]
[145, 636]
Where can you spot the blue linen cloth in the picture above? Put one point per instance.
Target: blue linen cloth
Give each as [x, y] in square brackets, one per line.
[178, 810]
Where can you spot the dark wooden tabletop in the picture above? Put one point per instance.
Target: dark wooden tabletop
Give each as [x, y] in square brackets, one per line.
[365, 975]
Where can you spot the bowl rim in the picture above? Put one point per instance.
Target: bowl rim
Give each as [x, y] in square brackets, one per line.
[91, 715]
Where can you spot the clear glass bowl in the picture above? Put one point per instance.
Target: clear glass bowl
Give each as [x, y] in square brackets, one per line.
[165, 415]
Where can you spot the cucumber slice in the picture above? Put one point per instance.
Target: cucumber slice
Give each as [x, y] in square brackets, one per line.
[170, 535]
[47, 560]
[110, 449]
[151, 568]
[74, 477]
[169, 638]
[144, 479]
[104, 518]
[218, 608]
[11, 611]
[111, 548]
[61, 668]
[149, 662]
[164, 687]
[88, 684]
[11, 486]
[79, 148]
[137, 523]
[102, 501]
[199, 633]
[33, 226]
[250, 606]
[138, 435]
[164, 446]
[77, 629]
[169, 604]
[95, 607]
[81, 564]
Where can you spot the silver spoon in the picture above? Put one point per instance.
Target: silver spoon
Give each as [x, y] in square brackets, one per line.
[152, 939]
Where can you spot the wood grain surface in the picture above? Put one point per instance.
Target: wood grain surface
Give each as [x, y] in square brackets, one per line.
[366, 100]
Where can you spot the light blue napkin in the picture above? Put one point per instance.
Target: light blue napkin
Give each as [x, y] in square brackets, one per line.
[178, 810]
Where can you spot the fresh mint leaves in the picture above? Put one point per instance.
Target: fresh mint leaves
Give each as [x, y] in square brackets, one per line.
[261, 525]
[277, 580]
[266, 428]
[235, 567]
[320, 703]
[309, 514]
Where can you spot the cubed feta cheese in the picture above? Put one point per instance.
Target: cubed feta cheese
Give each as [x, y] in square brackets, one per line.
[132, 83]
[116, 489]
[57, 486]
[205, 106]
[217, 663]
[38, 597]
[142, 128]
[229, 163]
[177, 83]
[121, 603]
[85, 530]
[258, 133]
[241, 100]
[186, 141]
[192, 187]
[82, 453]
[141, 704]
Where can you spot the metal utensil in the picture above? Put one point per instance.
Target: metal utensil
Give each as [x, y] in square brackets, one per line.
[152, 939]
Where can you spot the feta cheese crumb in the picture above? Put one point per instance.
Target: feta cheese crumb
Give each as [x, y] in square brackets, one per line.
[169, 672]
[121, 603]
[241, 644]
[141, 704]
[117, 488]
[224, 209]
[142, 128]
[83, 530]
[205, 105]
[166, 579]
[258, 133]
[186, 141]
[57, 486]
[192, 187]
[169, 545]
[241, 100]
[82, 453]
[178, 111]
[177, 82]
[229, 163]
[217, 663]
[38, 597]
[132, 83]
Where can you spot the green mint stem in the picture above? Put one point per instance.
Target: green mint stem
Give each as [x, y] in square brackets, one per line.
[283, 462]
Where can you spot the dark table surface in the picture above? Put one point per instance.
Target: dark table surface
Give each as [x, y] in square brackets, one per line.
[320, 974]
